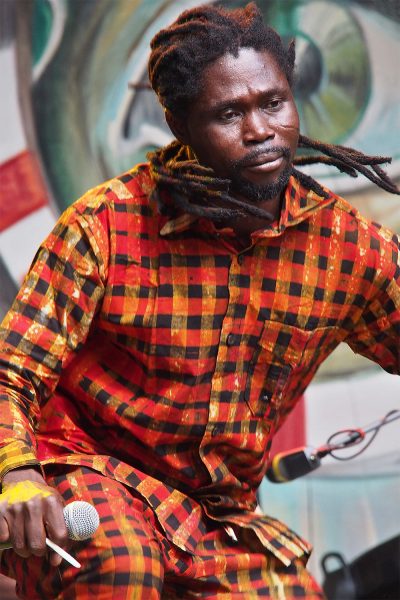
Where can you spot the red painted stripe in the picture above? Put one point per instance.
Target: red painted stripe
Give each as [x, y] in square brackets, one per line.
[22, 189]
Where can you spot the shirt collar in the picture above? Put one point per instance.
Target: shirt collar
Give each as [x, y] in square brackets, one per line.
[299, 203]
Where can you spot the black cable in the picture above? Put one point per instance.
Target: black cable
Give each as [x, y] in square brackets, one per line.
[360, 436]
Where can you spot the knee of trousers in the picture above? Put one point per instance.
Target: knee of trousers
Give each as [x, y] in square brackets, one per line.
[118, 563]
[127, 555]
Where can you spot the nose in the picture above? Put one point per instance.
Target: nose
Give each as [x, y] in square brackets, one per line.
[256, 128]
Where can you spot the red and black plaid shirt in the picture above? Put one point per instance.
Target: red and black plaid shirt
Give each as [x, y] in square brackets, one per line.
[162, 354]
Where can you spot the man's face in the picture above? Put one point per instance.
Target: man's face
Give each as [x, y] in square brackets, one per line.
[244, 124]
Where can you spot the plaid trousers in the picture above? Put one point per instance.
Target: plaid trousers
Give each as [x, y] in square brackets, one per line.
[129, 557]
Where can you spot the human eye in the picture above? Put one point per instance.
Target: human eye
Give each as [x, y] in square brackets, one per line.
[228, 115]
[273, 104]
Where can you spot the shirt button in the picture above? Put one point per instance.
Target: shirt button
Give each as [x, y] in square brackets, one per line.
[240, 259]
[230, 340]
[215, 431]
[265, 397]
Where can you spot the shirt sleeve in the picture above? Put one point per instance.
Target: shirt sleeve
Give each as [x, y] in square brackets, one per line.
[377, 333]
[46, 325]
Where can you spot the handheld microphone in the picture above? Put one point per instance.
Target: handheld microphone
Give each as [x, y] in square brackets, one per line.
[81, 520]
[292, 464]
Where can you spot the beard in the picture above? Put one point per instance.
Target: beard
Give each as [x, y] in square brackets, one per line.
[255, 192]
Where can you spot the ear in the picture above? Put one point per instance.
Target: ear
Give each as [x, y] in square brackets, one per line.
[178, 127]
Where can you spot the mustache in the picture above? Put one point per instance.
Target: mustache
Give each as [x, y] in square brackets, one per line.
[260, 151]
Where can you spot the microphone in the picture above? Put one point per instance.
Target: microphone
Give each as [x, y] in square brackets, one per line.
[292, 464]
[295, 463]
[81, 520]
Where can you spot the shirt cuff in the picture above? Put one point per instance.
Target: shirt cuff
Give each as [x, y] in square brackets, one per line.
[14, 455]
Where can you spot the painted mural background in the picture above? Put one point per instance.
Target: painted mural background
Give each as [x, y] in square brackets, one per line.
[69, 119]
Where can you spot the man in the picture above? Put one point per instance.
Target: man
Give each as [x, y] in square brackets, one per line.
[168, 325]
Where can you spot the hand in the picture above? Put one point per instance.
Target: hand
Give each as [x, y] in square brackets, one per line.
[30, 510]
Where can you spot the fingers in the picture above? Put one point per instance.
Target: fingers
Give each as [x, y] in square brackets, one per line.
[13, 517]
[26, 524]
[54, 520]
[4, 531]
[26, 531]
[35, 534]
[55, 526]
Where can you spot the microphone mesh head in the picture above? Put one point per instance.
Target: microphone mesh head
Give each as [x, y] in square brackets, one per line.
[81, 519]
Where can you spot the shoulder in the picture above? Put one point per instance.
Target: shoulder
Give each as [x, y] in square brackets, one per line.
[107, 215]
[346, 218]
[122, 202]
[133, 188]
[373, 245]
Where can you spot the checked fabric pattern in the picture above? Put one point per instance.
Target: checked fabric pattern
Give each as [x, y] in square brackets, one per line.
[159, 352]
[129, 557]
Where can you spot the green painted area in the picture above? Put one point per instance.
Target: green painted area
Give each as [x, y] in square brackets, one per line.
[282, 16]
[42, 21]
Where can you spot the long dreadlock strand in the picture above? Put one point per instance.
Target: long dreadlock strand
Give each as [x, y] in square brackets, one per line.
[350, 161]
[303, 161]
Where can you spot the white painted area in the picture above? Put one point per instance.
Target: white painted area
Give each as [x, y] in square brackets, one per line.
[12, 138]
[355, 400]
[19, 242]
[148, 135]
[382, 37]
[133, 72]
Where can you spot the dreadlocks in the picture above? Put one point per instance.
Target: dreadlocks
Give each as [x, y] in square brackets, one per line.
[179, 55]
[198, 37]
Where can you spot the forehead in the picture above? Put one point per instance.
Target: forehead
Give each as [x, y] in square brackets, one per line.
[232, 76]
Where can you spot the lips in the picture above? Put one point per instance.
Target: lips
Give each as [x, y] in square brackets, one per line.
[264, 159]
[265, 163]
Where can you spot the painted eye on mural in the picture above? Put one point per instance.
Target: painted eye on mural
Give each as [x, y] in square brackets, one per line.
[347, 84]
[333, 82]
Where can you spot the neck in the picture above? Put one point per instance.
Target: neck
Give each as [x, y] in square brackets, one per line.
[244, 226]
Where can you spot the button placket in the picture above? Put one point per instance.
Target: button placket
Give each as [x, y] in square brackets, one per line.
[238, 295]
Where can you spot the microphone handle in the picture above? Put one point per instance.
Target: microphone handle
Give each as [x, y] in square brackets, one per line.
[65, 555]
